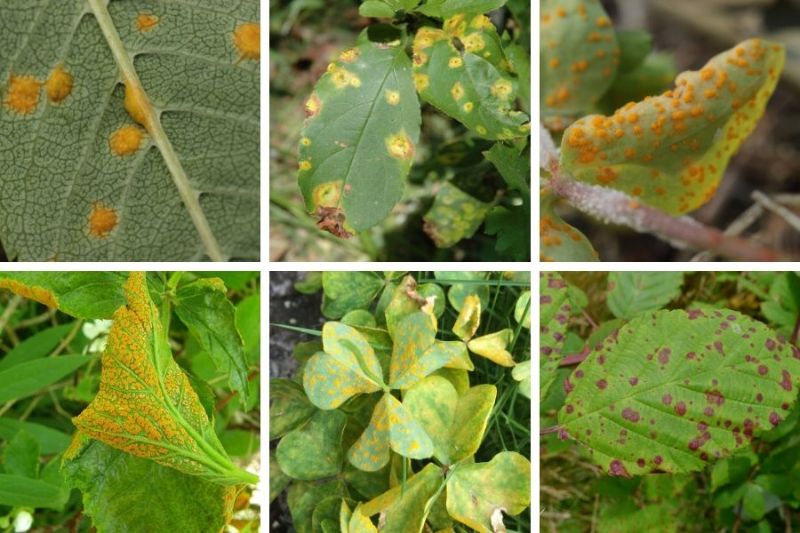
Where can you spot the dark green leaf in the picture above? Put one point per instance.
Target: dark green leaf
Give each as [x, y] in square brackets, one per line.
[29, 378]
[50, 440]
[21, 456]
[19, 491]
[313, 450]
[35, 346]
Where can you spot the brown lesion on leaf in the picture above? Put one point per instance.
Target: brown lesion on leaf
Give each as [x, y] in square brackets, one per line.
[332, 220]
[432, 230]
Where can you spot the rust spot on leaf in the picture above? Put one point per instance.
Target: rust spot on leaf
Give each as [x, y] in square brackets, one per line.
[23, 94]
[146, 22]
[102, 220]
[38, 294]
[247, 38]
[59, 84]
[126, 140]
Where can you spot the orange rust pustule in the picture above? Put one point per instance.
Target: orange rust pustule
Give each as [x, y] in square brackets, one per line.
[331, 219]
[31, 292]
[247, 38]
[59, 85]
[145, 22]
[102, 220]
[23, 94]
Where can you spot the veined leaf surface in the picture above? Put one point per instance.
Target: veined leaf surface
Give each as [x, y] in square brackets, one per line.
[675, 390]
[359, 138]
[146, 406]
[554, 311]
[633, 293]
[474, 85]
[171, 172]
[126, 493]
[672, 150]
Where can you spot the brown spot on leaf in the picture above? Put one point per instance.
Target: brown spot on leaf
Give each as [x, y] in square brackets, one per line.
[332, 220]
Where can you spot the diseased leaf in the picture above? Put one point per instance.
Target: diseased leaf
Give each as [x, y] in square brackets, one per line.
[476, 491]
[472, 84]
[448, 8]
[204, 308]
[347, 291]
[522, 373]
[391, 426]
[407, 506]
[652, 77]
[522, 310]
[469, 318]
[455, 422]
[493, 347]
[554, 311]
[359, 137]
[168, 171]
[304, 496]
[289, 407]
[633, 293]
[472, 283]
[414, 335]
[278, 481]
[675, 390]
[126, 493]
[454, 215]
[558, 241]
[671, 151]
[146, 406]
[578, 58]
[313, 450]
[80, 294]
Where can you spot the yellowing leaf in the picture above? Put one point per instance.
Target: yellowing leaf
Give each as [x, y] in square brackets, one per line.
[146, 406]
[468, 318]
[671, 150]
[493, 347]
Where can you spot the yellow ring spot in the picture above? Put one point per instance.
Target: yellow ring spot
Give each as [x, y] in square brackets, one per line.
[393, 97]
[468, 106]
[305, 165]
[455, 62]
[305, 141]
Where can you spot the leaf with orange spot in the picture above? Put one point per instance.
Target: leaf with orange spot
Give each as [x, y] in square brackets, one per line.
[360, 135]
[578, 58]
[463, 71]
[558, 240]
[671, 151]
[454, 216]
[146, 406]
[80, 294]
[494, 347]
[406, 506]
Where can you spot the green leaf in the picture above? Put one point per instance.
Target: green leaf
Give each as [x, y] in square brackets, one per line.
[303, 497]
[675, 390]
[126, 493]
[473, 283]
[146, 406]
[413, 336]
[29, 378]
[21, 456]
[375, 9]
[204, 308]
[48, 439]
[313, 450]
[432, 290]
[512, 230]
[512, 165]
[520, 59]
[347, 291]
[472, 84]
[36, 346]
[359, 317]
[20, 491]
[476, 491]
[448, 8]
[278, 481]
[634, 47]
[248, 323]
[391, 426]
[456, 423]
[633, 293]
[671, 151]
[359, 137]
[554, 312]
[652, 77]
[289, 407]
[80, 294]
[782, 306]
[454, 215]
[577, 58]
[558, 240]
[169, 173]
[753, 502]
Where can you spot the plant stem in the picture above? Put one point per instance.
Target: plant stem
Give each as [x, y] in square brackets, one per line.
[616, 207]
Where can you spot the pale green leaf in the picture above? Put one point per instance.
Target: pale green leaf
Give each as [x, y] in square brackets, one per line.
[126, 493]
[463, 284]
[493, 347]
[177, 178]
[329, 383]
[559, 241]
[676, 390]
[304, 496]
[359, 138]
[554, 311]
[278, 481]
[454, 215]
[633, 293]
[522, 310]
[522, 373]
[289, 407]
[448, 8]
[346, 291]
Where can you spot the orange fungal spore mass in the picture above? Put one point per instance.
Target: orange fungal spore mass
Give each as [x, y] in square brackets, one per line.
[247, 38]
[102, 220]
[126, 140]
[146, 22]
[59, 85]
[23, 94]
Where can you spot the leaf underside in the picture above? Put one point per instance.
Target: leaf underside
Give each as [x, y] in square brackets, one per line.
[673, 391]
[65, 194]
[670, 151]
[359, 138]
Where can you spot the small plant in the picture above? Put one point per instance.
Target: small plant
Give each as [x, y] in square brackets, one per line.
[385, 417]
[648, 162]
[362, 131]
[146, 427]
[681, 389]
